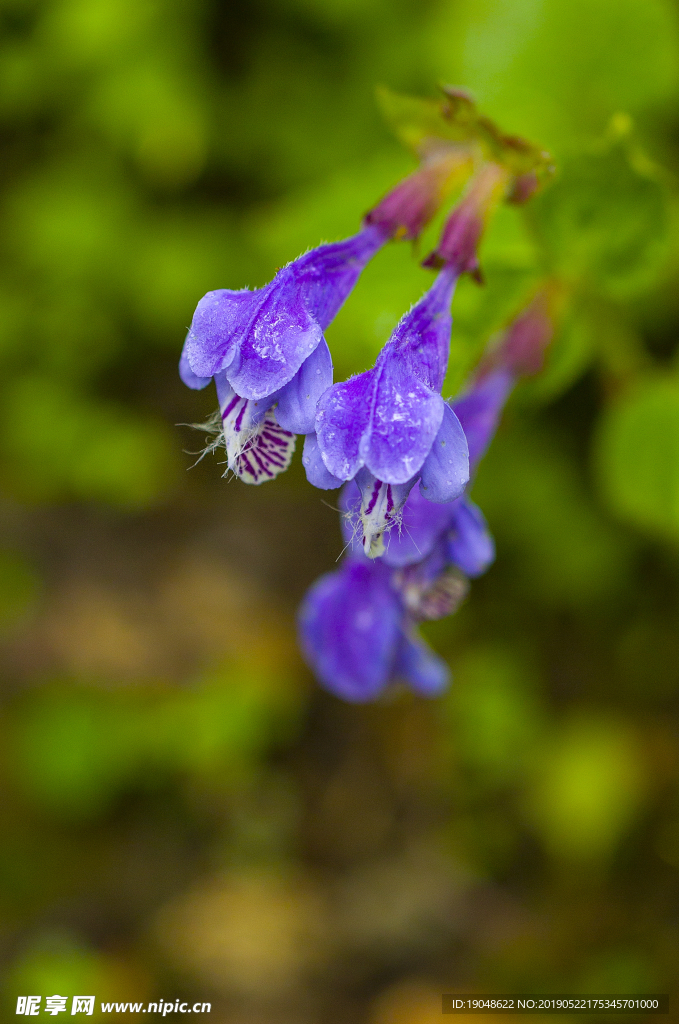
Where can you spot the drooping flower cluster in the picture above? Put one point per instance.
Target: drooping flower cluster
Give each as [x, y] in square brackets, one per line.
[410, 551]
[265, 348]
[358, 625]
[389, 427]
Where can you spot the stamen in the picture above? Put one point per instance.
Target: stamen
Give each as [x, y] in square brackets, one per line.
[378, 515]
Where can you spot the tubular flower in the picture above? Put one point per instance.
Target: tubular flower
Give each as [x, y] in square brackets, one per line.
[358, 634]
[465, 226]
[454, 533]
[265, 348]
[358, 625]
[389, 427]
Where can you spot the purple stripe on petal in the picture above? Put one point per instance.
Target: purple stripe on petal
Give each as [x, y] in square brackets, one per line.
[232, 405]
[226, 396]
[445, 472]
[260, 456]
[380, 509]
[238, 422]
[373, 494]
[273, 439]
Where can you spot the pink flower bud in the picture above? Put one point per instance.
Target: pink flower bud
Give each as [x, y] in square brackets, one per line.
[528, 336]
[525, 186]
[409, 207]
[465, 226]
[523, 346]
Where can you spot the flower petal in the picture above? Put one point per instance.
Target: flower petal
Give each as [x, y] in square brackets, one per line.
[316, 472]
[388, 417]
[342, 418]
[422, 523]
[418, 664]
[267, 452]
[188, 376]
[257, 447]
[445, 472]
[218, 324]
[431, 590]
[422, 338]
[349, 628]
[326, 275]
[297, 401]
[280, 334]
[406, 416]
[479, 411]
[470, 545]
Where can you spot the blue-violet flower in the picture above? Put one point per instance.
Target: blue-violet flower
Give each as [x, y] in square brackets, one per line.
[389, 427]
[358, 625]
[266, 349]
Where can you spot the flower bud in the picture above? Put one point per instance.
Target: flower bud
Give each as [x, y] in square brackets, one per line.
[522, 349]
[465, 226]
[409, 207]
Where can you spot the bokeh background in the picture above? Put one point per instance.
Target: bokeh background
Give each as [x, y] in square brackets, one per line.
[184, 813]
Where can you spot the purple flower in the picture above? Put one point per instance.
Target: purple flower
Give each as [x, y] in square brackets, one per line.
[389, 427]
[265, 348]
[358, 625]
[261, 338]
[457, 531]
[479, 410]
[358, 635]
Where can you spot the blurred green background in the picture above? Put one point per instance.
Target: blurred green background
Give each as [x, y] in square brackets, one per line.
[184, 813]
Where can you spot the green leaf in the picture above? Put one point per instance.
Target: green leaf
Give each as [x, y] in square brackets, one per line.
[637, 456]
